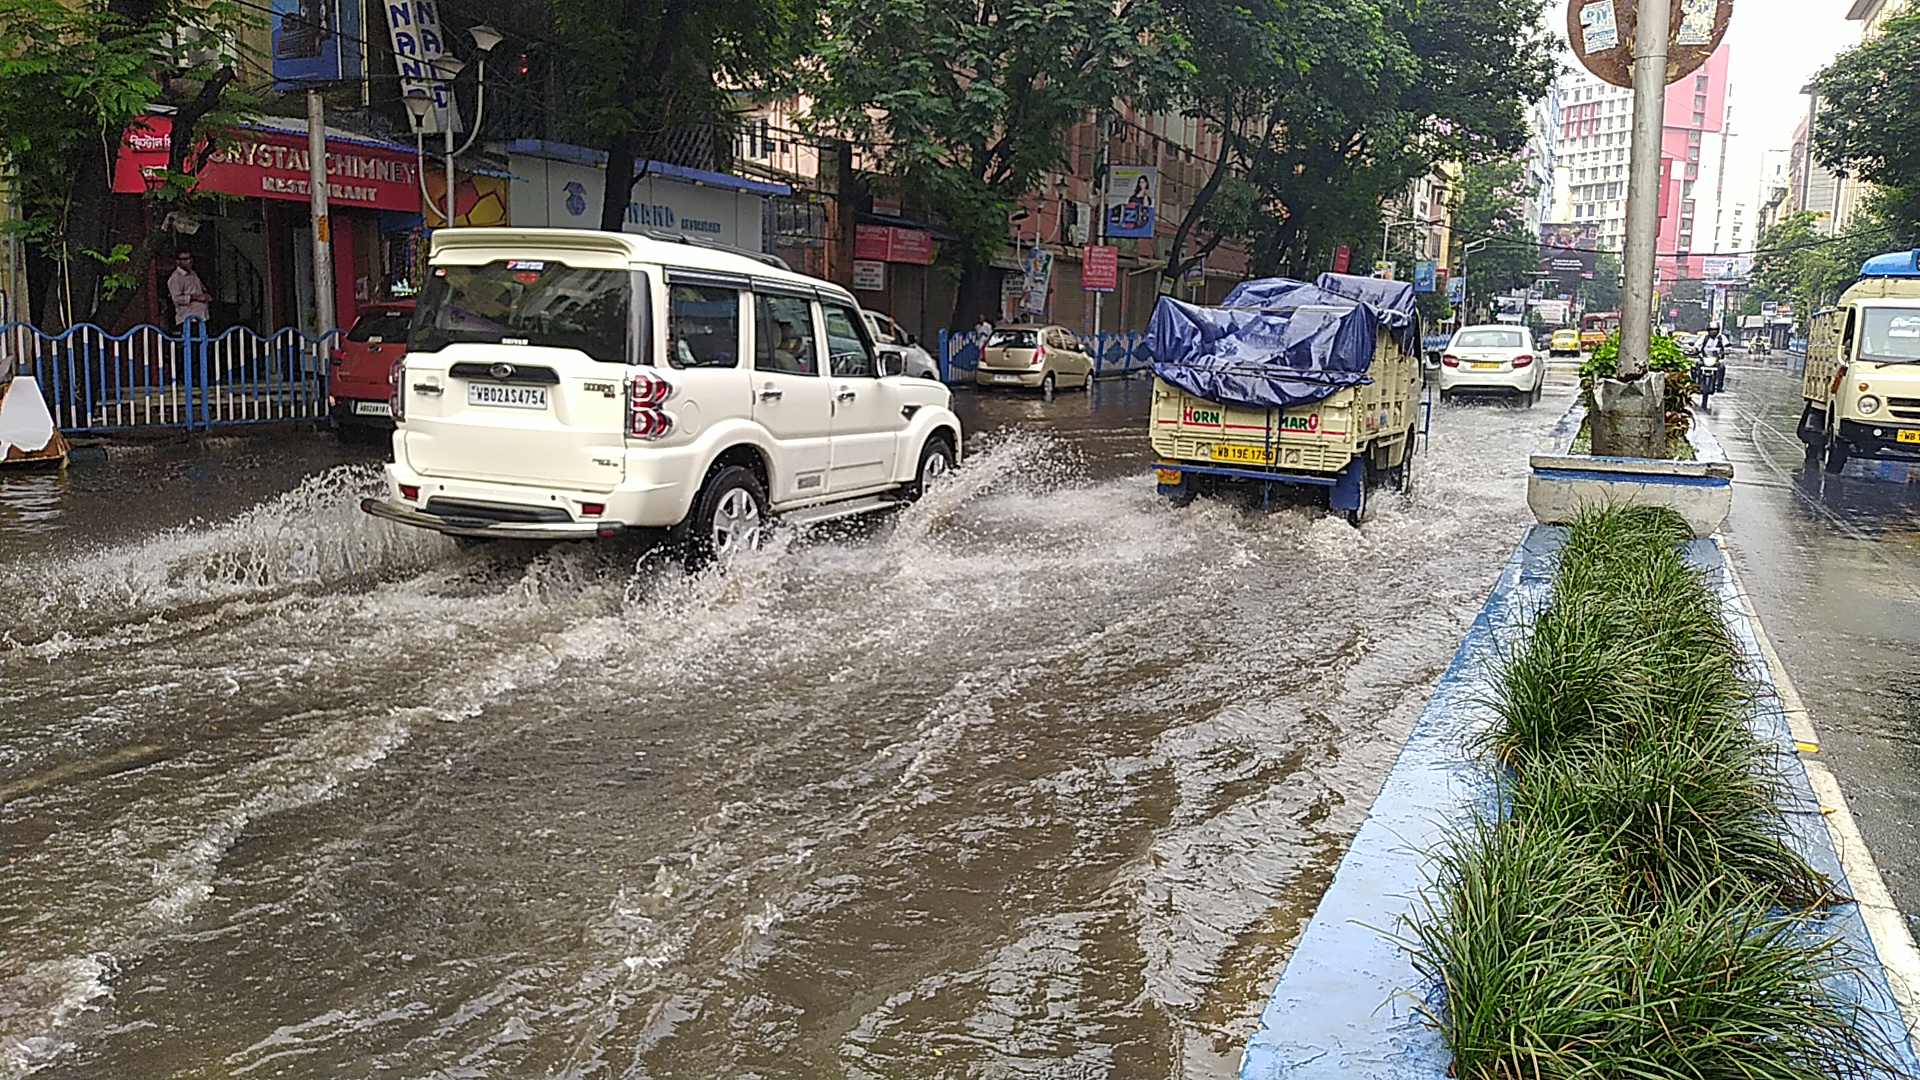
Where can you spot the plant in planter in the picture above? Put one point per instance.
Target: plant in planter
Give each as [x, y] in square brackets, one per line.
[1666, 358]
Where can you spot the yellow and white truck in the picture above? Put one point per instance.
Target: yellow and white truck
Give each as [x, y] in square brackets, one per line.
[1289, 383]
[1862, 381]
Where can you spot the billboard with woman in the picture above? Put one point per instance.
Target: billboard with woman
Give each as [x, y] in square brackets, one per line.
[1132, 191]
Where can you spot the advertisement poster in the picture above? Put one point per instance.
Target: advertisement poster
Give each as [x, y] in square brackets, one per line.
[1568, 252]
[315, 41]
[1457, 290]
[1100, 269]
[1598, 28]
[1696, 22]
[1423, 273]
[417, 43]
[1132, 193]
[1039, 278]
[869, 275]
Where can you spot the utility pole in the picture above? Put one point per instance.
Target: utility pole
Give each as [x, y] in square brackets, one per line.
[1100, 171]
[322, 224]
[1643, 187]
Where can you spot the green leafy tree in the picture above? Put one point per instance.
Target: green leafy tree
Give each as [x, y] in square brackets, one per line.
[1489, 214]
[967, 105]
[73, 76]
[1401, 86]
[1869, 125]
[1797, 264]
[658, 78]
[1603, 292]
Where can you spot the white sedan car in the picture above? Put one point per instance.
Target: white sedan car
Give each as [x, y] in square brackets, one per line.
[1493, 360]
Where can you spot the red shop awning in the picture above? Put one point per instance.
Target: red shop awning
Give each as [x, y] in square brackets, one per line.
[273, 165]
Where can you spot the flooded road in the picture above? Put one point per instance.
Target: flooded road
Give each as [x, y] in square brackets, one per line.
[1833, 563]
[1038, 779]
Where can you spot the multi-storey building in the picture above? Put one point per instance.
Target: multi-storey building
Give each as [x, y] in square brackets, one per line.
[1541, 160]
[1594, 151]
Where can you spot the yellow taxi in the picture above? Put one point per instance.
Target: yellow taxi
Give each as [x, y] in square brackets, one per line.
[1565, 342]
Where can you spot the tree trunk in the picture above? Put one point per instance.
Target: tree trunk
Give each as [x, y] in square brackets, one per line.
[619, 190]
[978, 295]
[1177, 262]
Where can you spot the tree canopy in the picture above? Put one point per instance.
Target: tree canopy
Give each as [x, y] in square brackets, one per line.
[72, 77]
[1489, 213]
[1868, 126]
[966, 106]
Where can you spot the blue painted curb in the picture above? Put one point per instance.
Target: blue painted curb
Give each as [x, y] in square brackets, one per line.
[1346, 1004]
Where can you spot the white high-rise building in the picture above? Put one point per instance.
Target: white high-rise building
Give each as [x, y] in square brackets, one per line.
[1541, 164]
[1591, 148]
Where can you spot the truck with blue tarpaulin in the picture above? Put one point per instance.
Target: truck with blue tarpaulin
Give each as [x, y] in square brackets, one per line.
[1289, 383]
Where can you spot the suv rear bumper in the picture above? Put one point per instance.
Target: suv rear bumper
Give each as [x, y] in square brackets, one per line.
[460, 525]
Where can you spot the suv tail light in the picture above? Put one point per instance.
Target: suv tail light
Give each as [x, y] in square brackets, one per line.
[397, 388]
[1450, 360]
[646, 392]
[1522, 360]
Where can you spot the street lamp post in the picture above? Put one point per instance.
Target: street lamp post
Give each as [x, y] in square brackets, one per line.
[446, 69]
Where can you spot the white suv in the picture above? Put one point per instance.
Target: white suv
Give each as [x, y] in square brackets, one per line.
[564, 385]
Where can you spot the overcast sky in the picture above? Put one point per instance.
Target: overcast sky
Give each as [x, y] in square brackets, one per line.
[1777, 46]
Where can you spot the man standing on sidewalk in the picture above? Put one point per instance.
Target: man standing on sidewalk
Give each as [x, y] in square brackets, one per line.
[189, 294]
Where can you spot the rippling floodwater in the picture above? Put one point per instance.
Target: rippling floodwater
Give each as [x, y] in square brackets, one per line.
[1037, 779]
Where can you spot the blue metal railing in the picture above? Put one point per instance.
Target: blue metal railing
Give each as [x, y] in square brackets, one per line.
[95, 380]
[1114, 354]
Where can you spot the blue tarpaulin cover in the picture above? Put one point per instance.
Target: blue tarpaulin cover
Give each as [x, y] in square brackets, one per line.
[1275, 355]
[1391, 300]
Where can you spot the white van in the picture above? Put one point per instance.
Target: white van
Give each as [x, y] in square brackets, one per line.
[563, 384]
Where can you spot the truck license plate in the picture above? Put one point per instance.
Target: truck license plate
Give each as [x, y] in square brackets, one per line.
[507, 397]
[1908, 436]
[1248, 455]
[372, 408]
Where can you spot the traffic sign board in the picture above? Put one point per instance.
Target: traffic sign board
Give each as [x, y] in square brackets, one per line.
[1601, 32]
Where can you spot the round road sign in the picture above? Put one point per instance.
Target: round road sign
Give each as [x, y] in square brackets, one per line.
[1601, 32]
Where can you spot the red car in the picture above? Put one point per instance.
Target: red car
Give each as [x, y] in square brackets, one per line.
[359, 377]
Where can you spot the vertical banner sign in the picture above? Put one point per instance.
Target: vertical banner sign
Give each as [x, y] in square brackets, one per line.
[1457, 290]
[417, 43]
[315, 41]
[1342, 258]
[1423, 273]
[1033, 298]
[1100, 269]
[1132, 193]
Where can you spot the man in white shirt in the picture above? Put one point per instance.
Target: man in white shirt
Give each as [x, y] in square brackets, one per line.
[189, 295]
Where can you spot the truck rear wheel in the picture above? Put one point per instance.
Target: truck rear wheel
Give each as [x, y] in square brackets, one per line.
[1813, 429]
[1363, 513]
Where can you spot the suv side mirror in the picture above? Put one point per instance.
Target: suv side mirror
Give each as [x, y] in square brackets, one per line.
[892, 362]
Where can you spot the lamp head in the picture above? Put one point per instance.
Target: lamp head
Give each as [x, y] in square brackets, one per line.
[485, 38]
[449, 66]
[419, 103]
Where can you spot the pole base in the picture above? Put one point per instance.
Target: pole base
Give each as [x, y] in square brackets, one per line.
[1630, 418]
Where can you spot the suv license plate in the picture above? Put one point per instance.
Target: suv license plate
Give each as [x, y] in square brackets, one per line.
[1907, 436]
[507, 397]
[372, 408]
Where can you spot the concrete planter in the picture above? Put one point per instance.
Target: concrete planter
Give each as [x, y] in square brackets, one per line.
[1564, 483]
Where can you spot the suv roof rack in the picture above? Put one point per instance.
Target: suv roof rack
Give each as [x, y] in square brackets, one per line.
[715, 245]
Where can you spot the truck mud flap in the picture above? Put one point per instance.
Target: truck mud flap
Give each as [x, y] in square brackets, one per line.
[1347, 484]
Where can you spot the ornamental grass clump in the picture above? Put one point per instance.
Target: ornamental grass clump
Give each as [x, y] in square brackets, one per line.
[1635, 911]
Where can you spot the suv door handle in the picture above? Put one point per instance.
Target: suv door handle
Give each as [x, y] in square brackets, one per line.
[771, 393]
[846, 394]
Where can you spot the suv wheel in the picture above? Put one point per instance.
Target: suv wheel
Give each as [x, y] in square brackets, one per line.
[730, 515]
[936, 461]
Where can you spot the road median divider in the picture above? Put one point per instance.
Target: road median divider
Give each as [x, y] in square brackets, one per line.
[1602, 852]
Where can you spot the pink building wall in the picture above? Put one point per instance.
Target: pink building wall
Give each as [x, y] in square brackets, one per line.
[1696, 107]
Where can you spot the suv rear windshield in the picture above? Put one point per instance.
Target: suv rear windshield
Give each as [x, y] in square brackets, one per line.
[1014, 339]
[1892, 335]
[388, 325]
[527, 302]
[1490, 339]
